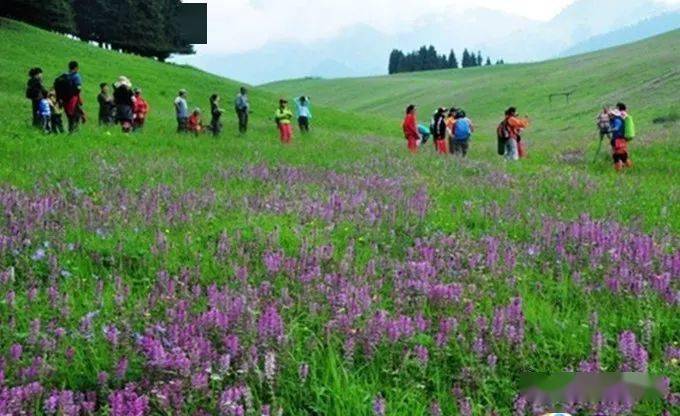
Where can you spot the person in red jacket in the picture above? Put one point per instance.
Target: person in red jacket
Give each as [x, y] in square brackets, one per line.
[141, 109]
[410, 126]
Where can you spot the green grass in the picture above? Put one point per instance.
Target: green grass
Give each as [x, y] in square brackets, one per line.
[356, 131]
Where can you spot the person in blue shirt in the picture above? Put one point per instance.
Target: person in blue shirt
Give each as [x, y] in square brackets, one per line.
[424, 132]
[304, 113]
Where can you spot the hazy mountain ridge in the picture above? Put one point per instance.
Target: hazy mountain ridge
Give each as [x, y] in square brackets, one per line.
[361, 50]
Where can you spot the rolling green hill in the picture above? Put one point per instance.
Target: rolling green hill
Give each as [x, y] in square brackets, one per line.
[644, 74]
[201, 275]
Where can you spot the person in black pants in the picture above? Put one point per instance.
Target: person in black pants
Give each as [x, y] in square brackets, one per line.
[34, 90]
[216, 113]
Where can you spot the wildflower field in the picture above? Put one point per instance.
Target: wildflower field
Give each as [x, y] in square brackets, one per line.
[158, 274]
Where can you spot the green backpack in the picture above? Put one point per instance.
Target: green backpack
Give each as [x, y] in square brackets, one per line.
[629, 128]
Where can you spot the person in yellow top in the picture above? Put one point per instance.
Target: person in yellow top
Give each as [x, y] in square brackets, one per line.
[284, 118]
[450, 122]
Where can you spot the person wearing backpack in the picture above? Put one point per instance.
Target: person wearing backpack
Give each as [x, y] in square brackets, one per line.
[283, 118]
[439, 130]
[509, 133]
[411, 129]
[462, 132]
[68, 87]
[34, 89]
[450, 121]
[620, 140]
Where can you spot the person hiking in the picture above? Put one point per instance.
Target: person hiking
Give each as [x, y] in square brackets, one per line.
[461, 133]
[619, 118]
[57, 111]
[216, 114]
[439, 130]
[450, 121]
[411, 129]
[194, 123]
[242, 107]
[283, 117]
[140, 109]
[34, 89]
[509, 131]
[124, 100]
[182, 111]
[68, 87]
[106, 105]
[304, 113]
[44, 113]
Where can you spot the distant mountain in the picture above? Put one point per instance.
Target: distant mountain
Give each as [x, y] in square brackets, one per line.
[578, 22]
[645, 29]
[361, 50]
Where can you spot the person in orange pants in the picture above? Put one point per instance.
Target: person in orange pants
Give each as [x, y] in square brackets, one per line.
[284, 119]
[410, 127]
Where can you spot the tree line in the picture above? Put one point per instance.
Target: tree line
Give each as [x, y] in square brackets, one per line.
[149, 28]
[427, 58]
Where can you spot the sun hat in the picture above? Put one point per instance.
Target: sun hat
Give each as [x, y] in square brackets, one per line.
[123, 80]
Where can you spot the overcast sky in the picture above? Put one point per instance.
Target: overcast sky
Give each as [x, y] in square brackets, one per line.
[241, 25]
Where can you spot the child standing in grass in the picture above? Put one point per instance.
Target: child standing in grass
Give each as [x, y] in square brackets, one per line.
[284, 118]
[141, 109]
[57, 112]
[44, 113]
[410, 127]
[194, 124]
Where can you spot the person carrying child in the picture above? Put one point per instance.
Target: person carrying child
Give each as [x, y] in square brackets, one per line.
[57, 112]
[44, 113]
[283, 117]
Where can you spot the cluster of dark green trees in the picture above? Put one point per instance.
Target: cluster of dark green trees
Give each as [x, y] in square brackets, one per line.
[427, 58]
[144, 27]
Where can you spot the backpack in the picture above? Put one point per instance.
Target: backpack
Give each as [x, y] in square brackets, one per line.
[629, 128]
[63, 87]
[503, 133]
[463, 130]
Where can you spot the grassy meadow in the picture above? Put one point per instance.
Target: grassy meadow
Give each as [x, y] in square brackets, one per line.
[165, 274]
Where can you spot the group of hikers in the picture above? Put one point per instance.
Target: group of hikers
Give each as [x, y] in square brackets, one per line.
[451, 131]
[127, 107]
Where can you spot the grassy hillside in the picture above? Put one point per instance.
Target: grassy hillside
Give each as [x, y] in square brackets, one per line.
[160, 273]
[644, 74]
